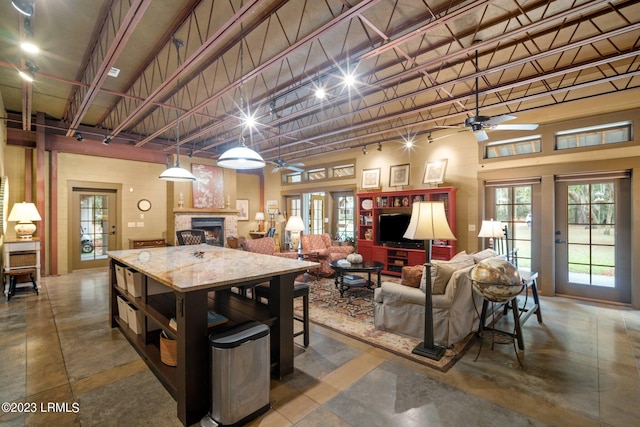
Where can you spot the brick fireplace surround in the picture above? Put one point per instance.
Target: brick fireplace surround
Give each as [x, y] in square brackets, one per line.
[182, 220]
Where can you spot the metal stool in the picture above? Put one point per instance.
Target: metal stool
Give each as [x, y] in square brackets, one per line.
[300, 289]
[13, 278]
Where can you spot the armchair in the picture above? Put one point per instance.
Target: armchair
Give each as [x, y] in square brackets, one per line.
[320, 245]
[266, 246]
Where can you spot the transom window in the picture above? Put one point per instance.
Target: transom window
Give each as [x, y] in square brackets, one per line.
[612, 133]
[513, 147]
[322, 173]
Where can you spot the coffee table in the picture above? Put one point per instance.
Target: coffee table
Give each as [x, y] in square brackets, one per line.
[366, 267]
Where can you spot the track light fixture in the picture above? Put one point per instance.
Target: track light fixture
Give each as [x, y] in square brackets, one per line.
[429, 139]
[79, 137]
[25, 7]
[107, 140]
[379, 146]
[30, 73]
[364, 149]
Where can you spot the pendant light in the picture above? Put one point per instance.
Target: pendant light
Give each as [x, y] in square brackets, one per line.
[177, 173]
[241, 156]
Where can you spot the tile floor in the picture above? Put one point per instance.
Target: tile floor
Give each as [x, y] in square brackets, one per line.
[62, 361]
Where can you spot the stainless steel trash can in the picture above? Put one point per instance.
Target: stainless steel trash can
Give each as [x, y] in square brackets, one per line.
[240, 364]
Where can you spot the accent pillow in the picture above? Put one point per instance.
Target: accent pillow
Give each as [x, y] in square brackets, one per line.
[441, 272]
[411, 275]
[487, 253]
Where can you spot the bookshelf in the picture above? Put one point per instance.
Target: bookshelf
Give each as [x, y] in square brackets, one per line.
[372, 204]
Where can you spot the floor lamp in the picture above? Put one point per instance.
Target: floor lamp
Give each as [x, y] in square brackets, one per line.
[428, 222]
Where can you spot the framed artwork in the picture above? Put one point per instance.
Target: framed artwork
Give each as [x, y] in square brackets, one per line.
[370, 178]
[399, 175]
[208, 188]
[434, 172]
[242, 206]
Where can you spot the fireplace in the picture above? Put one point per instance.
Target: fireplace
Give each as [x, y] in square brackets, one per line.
[213, 227]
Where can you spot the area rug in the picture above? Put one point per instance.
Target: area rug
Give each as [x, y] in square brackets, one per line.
[352, 315]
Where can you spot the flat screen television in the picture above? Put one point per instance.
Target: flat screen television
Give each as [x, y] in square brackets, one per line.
[391, 228]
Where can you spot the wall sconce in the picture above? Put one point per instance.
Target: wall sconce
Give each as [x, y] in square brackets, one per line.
[24, 213]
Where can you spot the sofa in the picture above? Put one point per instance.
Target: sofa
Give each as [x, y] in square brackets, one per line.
[321, 246]
[399, 307]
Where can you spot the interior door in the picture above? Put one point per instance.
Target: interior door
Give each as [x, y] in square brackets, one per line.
[592, 238]
[93, 227]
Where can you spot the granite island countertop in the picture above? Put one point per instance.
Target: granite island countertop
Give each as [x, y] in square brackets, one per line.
[190, 268]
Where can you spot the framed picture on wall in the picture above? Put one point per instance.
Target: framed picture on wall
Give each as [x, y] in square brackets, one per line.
[242, 206]
[434, 172]
[399, 175]
[370, 178]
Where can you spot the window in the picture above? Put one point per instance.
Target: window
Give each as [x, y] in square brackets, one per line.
[612, 133]
[513, 209]
[345, 214]
[513, 147]
[322, 173]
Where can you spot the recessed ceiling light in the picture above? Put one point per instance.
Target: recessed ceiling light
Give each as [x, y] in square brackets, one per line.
[113, 72]
[320, 93]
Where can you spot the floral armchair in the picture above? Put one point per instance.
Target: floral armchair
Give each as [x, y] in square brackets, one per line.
[320, 245]
[266, 246]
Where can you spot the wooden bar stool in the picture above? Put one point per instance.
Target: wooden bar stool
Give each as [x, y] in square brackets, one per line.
[13, 279]
[300, 289]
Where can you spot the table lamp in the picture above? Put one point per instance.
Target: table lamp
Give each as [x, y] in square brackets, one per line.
[24, 213]
[491, 229]
[295, 226]
[259, 217]
[428, 222]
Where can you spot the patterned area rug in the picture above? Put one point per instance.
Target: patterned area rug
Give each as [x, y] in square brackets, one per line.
[352, 316]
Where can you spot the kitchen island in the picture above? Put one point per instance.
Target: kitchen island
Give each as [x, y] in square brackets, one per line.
[184, 282]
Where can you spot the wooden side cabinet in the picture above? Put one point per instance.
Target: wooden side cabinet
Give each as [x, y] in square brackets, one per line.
[19, 254]
[146, 243]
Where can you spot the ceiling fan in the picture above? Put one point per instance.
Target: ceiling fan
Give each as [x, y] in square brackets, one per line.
[281, 164]
[480, 124]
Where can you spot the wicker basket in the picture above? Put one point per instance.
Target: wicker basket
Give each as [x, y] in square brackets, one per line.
[19, 259]
[232, 242]
[168, 350]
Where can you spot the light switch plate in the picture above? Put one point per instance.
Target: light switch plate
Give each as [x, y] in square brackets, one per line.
[472, 227]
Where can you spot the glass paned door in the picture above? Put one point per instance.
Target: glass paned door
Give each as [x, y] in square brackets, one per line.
[344, 213]
[317, 213]
[590, 242]
[513, 208]
[94, 233]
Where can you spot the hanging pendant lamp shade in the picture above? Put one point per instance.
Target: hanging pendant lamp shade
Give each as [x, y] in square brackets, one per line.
[177, 173]
[241, 157]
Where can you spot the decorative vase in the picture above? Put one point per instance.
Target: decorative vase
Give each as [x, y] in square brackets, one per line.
[354, 258]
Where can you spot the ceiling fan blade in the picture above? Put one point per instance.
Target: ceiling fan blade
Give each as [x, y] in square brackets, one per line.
[498, 119]
[295, 169]
[296, 164]
[515, 127]
[480, 135]
[276, 169]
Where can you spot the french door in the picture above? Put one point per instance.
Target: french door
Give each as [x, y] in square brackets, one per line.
[592, 237]
[93, 227]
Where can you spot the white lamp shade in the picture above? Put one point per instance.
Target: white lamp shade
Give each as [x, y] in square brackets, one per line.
[429, 222]
[259, 216]
[491, 229]
[295, 223]
[241, 157]
[176, 173]
[24, 212]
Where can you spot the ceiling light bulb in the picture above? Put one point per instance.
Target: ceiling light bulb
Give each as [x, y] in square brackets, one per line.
[349, 79]
[409, 143]
[29, 48]
[320, 93]
[249, 121]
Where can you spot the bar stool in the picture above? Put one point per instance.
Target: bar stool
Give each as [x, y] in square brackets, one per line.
[13, 279]
[300, 289]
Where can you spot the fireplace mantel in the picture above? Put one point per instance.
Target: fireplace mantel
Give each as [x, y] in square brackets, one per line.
[184, 211]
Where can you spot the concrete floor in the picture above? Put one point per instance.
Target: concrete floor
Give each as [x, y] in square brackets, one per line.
[62, 365]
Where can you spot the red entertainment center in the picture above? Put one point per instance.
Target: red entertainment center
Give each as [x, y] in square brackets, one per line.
[392, 209]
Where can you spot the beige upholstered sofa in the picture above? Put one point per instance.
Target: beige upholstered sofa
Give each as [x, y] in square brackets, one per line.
[456, 308]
